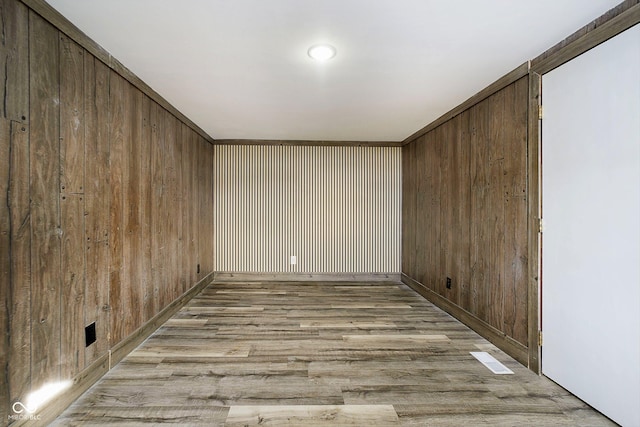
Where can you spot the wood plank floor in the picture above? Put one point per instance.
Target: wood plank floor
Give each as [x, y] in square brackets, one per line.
[274, 354]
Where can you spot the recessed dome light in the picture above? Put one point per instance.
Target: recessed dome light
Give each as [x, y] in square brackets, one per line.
[322, 52]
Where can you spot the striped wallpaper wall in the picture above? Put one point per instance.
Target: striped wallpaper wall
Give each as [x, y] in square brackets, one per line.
[337, 209]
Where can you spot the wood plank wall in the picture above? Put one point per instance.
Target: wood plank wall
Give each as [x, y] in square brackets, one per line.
[336, 208]
[109, 206]
[464, 213]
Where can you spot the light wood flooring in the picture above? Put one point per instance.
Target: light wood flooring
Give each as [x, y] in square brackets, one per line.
[275, 354]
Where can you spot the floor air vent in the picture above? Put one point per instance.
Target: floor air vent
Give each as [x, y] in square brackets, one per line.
[490, 362]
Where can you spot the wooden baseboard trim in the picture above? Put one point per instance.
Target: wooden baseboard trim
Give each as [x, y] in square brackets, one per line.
[225, 276]
[90, 375]
[499, 339]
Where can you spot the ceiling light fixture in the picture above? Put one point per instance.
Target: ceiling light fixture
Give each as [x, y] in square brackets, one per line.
[322, 52]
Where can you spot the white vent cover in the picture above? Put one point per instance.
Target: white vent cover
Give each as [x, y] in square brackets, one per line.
[490, 362]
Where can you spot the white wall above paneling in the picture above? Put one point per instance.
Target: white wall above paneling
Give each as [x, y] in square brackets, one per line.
[337, 209]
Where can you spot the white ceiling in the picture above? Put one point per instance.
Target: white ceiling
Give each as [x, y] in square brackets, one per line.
[239, 68]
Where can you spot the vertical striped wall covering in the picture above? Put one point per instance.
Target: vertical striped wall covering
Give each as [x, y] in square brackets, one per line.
[337, 209]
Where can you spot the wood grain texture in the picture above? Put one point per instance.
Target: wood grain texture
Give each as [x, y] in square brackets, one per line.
[157, 207]
[44, 189]
[97, 204]
[146, 186]
[508, 345]
[465, 210]
[19, 286]
[72, 209]
[71, 117]
[116, 209]
[534, 212]
[14, 63]
[131, 300]
[215, 367]
[171, 217]
[72, 304]
[45, 10]
[79, 176]
[192, 227]
[5, 265]
[311, 415]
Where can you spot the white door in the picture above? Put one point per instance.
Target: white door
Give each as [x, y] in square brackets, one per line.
[591, 235]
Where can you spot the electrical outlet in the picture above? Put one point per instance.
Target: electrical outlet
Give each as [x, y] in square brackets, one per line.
[448, 282]
[294, 260]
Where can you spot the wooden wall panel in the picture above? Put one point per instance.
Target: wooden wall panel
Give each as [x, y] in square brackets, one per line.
[19, 286]
[169, 213]
[116, 207]
[465, 200]
[170, 218]
[72, 171]
[14, 61]
[409, 211]
[158, 206]
[192, 188]
[15, 229]
[5, 263]
[46, 276]
[462, 207]
[132, 299]
[145, 210]
[516, 215]
[97, 204]
[108, 207]
[184, 198]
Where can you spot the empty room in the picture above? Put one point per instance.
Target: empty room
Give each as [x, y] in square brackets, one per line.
[320, 213]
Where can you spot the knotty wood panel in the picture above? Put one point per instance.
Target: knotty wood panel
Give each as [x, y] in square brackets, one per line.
[15, 277]
[171, 257]
[132, 127]
[45, 208]
[465, 197]
[180, 197]
[71, 117]
[73, 285]
[72, 171]
[158, 206]
[409, 211]
[97, 204]
[207, 255]
[191, 188]
[515, 317]
[14, 162]
[116, 209]
[5, 262]
[97, 208]
[146, 281]
[14, 62]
